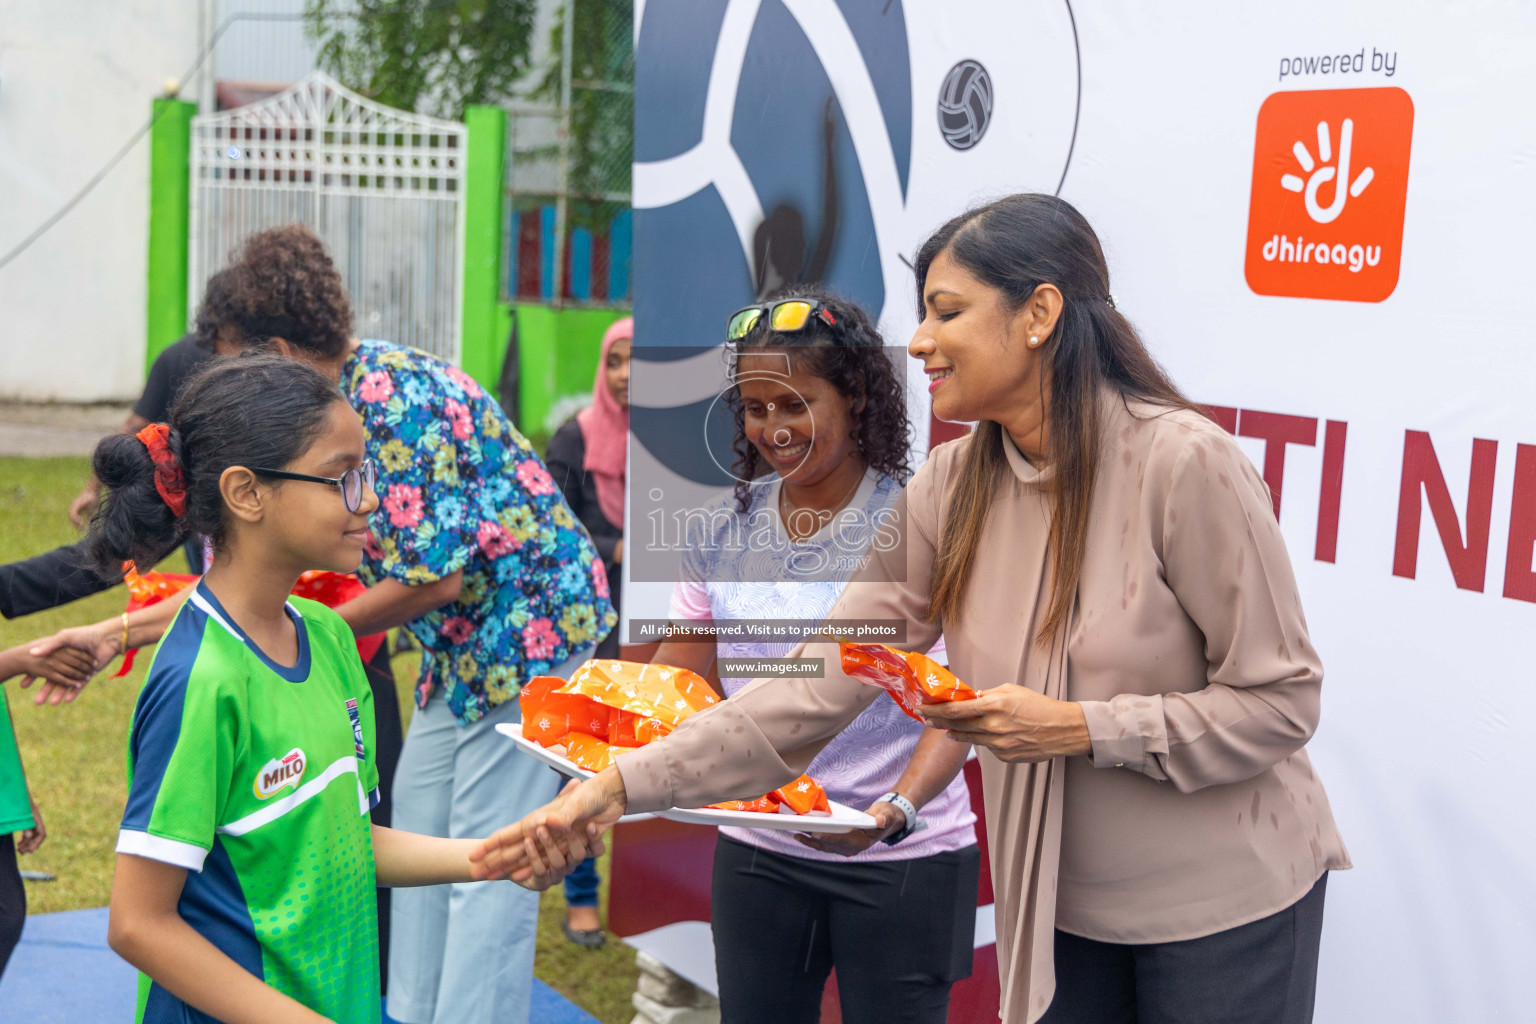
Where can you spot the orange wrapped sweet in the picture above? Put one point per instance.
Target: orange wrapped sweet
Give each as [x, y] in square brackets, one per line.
[911, 679]
[762, 805]
[329, 588]
[592, 754]
[623, 727]
[802, 796]
[609, 707]
[662, 692]
[549, 716]
[619, 702]
[145, 589]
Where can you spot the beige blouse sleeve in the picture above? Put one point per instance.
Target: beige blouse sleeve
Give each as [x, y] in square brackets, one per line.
[769, 732]
[1226, 562]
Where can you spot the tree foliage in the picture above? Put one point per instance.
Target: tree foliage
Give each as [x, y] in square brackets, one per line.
[431, 56]
[602, 142]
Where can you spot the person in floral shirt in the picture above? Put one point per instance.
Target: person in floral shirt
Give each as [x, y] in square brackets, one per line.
[475, 552]
[462, 489]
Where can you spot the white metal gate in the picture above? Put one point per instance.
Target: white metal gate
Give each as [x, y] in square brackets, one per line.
[383, 188]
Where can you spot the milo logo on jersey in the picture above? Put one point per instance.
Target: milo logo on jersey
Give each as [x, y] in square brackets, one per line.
[277, 774]
[357, 729]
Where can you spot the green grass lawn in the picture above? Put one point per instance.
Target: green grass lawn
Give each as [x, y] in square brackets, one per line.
[74, 753]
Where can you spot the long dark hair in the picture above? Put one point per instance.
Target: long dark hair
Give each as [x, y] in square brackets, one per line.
[848, 354]
[1015, 245]
[257, 410]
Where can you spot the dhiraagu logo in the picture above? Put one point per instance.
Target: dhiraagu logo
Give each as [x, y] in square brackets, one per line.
[1330, 187]
[280, 773]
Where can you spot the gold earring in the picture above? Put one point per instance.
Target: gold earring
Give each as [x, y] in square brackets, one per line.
[1034, 342]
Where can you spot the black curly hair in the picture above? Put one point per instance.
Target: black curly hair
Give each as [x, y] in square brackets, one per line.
[848, 354]
[281, 284]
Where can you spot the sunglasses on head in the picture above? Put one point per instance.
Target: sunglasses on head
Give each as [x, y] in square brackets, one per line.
[352, 484]
[785, 316]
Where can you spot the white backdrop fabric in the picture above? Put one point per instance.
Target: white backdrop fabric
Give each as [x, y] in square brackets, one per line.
[1427, 639]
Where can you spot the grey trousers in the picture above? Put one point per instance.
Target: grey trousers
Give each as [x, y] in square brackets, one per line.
[463, 953]
[1263, 972]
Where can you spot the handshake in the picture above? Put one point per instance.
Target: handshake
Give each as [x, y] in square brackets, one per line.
[548, 844]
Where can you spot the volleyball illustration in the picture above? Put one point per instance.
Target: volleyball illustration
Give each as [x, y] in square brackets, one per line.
[965, 104]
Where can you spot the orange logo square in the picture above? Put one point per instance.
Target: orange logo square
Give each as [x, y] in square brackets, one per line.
[1330, 183]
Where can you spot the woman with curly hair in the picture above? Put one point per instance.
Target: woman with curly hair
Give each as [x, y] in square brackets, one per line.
[821, 444]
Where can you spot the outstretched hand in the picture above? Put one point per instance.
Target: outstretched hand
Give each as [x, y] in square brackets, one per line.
[58, 658]
[33, 837]
[63, 670]
[548, 844]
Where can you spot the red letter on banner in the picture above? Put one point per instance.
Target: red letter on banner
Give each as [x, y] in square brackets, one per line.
[1276, 430]
[1224, 416]
[1519, 580]
[1333, 486]
[1421, 474]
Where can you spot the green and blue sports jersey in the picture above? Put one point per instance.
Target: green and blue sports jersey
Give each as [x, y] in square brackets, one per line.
[256, 777]
[15, 807]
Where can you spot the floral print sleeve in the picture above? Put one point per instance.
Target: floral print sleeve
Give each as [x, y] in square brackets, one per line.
[461, 489]
[420, 530]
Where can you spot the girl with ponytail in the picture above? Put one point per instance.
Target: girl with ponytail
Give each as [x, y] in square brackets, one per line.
[247, 863]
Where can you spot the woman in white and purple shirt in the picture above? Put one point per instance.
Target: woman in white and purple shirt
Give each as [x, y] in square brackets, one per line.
[821, 445]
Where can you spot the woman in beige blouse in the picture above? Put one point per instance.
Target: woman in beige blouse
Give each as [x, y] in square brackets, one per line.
[1103, 561]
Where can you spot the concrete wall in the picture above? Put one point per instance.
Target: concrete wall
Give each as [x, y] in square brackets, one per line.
[76, 81]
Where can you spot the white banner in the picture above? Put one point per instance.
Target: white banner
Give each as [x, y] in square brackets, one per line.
[1319, 215]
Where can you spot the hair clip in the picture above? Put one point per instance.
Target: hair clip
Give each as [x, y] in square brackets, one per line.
[1111, 300]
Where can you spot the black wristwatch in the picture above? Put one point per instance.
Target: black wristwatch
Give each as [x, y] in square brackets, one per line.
[908, 811]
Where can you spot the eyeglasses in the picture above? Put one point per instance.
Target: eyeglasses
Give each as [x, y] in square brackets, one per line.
[785, 316]
[353, 483]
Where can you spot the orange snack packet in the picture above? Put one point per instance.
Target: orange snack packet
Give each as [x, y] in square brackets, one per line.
[592, 754]
[329, 588]
[911, 679]
[608, 707]
[548, 717]
[662, 692]
[762, 805]
[552, 707]
[803, 796]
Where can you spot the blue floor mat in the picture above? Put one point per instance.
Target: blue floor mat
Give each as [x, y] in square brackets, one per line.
[63, 973]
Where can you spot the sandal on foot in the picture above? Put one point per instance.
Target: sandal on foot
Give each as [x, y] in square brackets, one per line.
[594, 939]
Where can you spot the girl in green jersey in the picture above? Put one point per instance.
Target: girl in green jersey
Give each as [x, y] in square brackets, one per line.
[246, 861]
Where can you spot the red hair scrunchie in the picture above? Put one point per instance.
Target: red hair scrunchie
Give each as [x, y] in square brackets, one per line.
[169, 480]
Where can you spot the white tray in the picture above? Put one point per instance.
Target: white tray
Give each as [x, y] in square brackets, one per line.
[842, 819]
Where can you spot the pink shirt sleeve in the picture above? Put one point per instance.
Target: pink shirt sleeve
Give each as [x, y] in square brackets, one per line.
[690, 600]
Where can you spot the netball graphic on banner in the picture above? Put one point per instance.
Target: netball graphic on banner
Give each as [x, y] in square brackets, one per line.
[1318, 217]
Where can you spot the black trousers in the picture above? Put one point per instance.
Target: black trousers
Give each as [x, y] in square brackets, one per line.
[13, 900]
[900, 933]
[389, 738]
[1263, 972]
